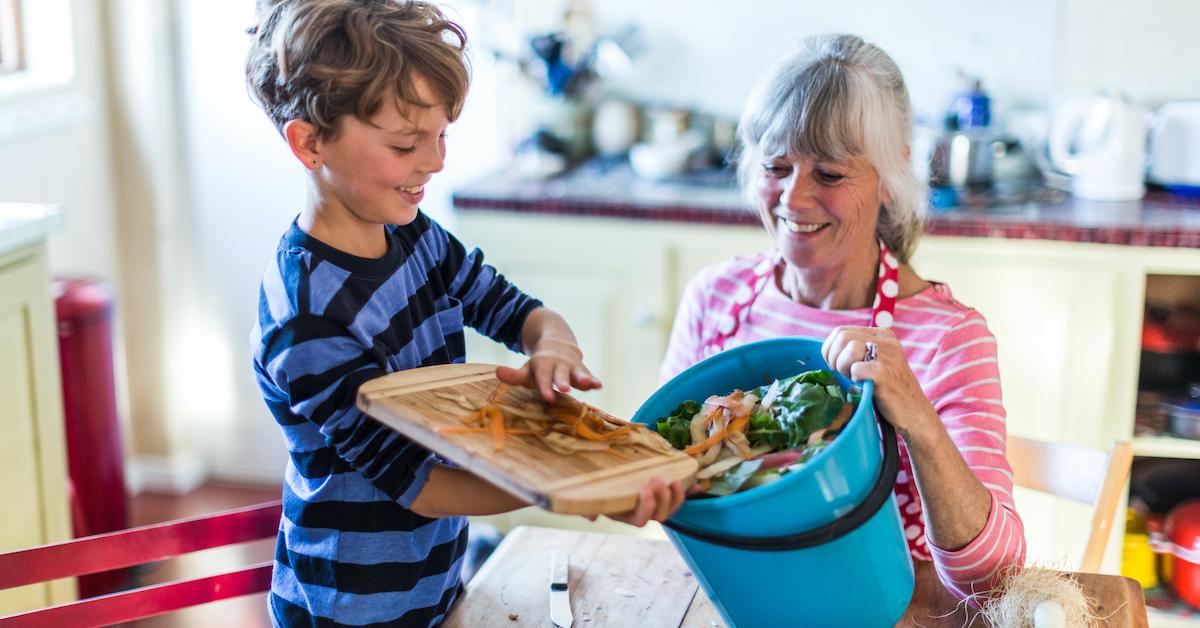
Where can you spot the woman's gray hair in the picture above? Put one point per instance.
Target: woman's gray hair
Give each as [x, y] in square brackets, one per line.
[838, 97]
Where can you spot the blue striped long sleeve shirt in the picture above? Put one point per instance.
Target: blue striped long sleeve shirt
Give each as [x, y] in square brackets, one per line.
[349, 550]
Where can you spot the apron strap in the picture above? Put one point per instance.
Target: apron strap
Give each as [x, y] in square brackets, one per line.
[754, 280]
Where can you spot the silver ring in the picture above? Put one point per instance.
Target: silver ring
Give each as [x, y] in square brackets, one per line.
[871, 353]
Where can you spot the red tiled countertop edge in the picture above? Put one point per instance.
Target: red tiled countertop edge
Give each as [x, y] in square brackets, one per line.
[976, 227]
[668, 213]
[1032, 230]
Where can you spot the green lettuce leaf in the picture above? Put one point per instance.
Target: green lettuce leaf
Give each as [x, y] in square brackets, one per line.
[676, 427]
[806, 403]
[732, 480]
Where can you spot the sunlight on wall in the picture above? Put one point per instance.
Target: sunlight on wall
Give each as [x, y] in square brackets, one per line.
[200, 383]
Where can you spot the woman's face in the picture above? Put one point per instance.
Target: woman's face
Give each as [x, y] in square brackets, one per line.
[822, 213]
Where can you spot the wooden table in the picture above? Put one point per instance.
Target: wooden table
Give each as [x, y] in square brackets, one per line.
[629, 581]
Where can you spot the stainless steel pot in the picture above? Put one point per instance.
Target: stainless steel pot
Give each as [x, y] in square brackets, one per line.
[978, 159]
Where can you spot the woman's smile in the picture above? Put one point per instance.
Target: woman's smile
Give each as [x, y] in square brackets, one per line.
[801, 228]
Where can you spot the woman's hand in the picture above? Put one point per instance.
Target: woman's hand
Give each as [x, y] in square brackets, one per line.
[956, 503]
[897, 394]
[656, 501]
[553, 365]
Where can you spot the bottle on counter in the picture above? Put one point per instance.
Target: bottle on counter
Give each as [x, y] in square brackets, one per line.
[961, 165]
[1138, 560]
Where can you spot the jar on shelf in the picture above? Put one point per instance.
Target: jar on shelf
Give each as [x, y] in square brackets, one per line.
[1182, 529]
[1138, 560]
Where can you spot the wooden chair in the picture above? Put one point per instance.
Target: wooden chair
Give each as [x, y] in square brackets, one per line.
[1083, 474]
[136, 546]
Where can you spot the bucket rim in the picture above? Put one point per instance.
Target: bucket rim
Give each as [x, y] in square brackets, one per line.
[864, 412]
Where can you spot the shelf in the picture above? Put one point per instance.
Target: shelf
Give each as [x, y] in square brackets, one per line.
[1166, 447]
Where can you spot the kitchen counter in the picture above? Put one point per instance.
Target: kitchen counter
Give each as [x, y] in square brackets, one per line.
[22, 224]
[1159, 219]
[627, 581]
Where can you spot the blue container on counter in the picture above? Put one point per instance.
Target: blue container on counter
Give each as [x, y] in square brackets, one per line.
[821, 546]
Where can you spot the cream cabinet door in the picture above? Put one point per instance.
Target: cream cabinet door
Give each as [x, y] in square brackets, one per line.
[1058, 332]
[21, 526]
[32, 449]
[703, 246]
[607, 279]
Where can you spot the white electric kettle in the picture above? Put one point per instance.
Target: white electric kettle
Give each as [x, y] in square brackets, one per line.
[1100, 141]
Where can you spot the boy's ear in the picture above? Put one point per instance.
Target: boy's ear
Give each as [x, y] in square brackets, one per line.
[304, 140]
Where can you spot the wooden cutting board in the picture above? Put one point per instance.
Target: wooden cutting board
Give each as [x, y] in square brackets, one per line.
[581, 483]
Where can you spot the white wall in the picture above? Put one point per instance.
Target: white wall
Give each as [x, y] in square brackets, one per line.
[244, 190]
[1148, 49]
[708, 53]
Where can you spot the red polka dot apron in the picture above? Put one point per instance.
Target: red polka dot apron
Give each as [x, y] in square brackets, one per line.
[753, 281]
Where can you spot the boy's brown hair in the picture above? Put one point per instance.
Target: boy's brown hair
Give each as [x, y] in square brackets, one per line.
[318, 60]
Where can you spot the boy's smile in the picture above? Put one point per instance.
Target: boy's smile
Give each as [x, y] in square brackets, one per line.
[413, 194]
[373, 173]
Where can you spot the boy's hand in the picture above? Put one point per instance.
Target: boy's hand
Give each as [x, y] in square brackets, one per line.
[656, 501]
[553, 364]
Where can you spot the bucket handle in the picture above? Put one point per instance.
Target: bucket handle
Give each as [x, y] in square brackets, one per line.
[836, 529]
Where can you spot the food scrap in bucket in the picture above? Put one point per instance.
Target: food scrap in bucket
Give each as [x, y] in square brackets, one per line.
[750, 438]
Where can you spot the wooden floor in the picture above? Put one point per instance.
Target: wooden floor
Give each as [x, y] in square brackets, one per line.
[245, 612]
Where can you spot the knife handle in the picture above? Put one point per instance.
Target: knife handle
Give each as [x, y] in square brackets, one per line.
[559, 571]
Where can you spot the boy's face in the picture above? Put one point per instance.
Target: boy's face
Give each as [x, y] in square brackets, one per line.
[377, 170]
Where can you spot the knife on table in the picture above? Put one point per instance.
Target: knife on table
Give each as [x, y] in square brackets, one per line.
[560, 593]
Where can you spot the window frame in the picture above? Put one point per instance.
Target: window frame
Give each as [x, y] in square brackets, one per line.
[12, 37]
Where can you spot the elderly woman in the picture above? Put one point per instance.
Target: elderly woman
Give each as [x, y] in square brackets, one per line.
[826, 161]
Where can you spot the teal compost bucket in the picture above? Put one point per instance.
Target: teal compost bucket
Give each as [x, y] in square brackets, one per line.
[823, 546]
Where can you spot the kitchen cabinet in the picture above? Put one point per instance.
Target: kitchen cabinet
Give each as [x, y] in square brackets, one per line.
[1067, 327]
[33, 464]
[1067, 317]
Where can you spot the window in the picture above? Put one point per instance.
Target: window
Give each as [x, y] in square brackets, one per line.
[12, 53]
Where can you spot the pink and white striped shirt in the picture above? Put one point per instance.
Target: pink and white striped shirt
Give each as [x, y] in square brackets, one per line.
[953, 356]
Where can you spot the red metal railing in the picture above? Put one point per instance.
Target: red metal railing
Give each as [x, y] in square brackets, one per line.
[136, 546]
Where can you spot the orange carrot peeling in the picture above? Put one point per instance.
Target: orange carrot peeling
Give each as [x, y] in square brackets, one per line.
[497, 425]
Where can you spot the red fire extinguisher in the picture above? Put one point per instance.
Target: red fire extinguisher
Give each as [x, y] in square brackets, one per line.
[94, 451]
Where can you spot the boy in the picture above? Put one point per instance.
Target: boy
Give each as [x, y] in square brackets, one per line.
[364, 284]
